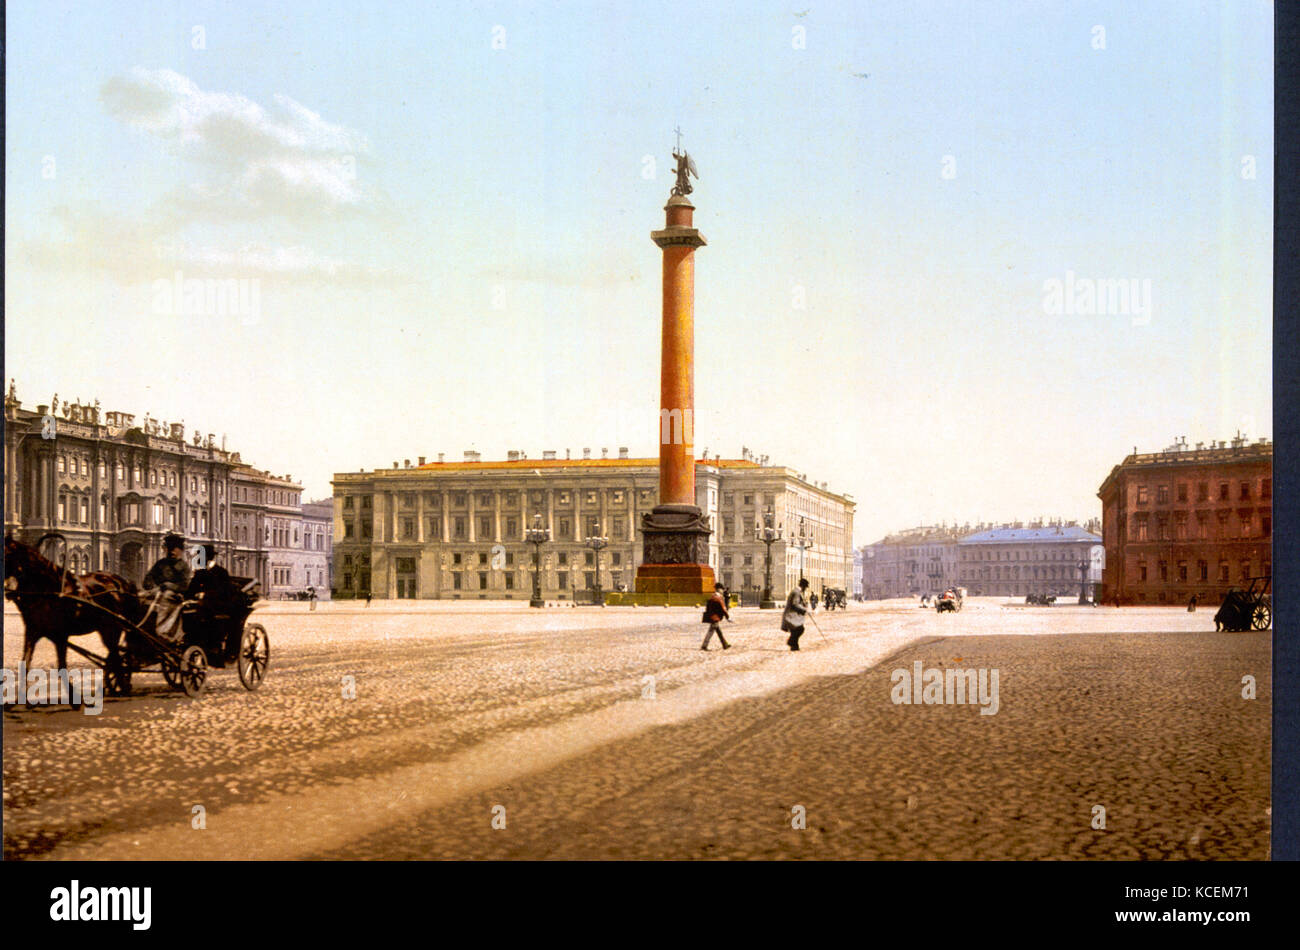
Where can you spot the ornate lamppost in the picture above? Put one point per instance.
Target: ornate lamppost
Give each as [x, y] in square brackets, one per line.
[537, 536]
[596, 542]
[768, 535]
[803, 541]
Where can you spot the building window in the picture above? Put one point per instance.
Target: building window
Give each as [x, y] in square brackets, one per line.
[562, 579]
[1223, 491]
[458, 529]
[510, 581]
[1245, 491]
[1266, 488]
[616, 559]
[455, 580]
[1203, 491]
[1266, 525]
[1245, 570]
[1202, 570]
[482, 580]
[347, 503]
[566, 530]
[408, 527]
[1163, 569]
[485, 528]
[512, 528]
[1182, 491]
[347, 529]
[1141, 494]
[1162, 495]
[1182, 570]
[1223, 571]
[1142, 571]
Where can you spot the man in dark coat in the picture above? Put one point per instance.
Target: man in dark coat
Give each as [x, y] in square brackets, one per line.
[796, 611]
[714, 612]
[171, 576]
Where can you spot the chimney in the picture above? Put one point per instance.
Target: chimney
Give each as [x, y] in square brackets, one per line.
[472, 456]
[548, 454]
[512, 455]
[622, 451]
[604, 453]
[440, 454]
[586, 453]
[421, 459]
[406, 463]
[394, 465]
[567, 453]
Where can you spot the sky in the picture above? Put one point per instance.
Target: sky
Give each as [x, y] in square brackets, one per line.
[437, 220]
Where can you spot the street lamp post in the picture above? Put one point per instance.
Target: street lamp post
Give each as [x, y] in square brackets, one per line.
[596, 542]
[803, 542]
[768, 535]
[1083, 580]
[537, 536]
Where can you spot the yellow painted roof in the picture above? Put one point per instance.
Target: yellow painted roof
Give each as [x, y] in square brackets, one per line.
[526, 464]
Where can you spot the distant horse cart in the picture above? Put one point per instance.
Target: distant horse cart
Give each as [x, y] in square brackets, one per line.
[57, 605]
[1249, 609]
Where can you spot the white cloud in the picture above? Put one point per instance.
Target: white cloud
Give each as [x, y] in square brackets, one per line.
[284, 159]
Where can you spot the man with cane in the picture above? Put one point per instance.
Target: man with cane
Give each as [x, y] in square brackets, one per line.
[796, 610]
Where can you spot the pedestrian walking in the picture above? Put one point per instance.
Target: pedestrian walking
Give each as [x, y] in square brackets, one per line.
[1191, 605]
[796, 611]
[714, 613]
[367, 598]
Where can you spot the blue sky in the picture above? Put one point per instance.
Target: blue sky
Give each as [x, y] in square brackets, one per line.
[451, 241]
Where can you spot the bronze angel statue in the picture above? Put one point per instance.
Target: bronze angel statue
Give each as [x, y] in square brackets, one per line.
[685, 167]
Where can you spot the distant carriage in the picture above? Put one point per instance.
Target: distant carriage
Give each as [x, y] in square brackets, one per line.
[1249, 609]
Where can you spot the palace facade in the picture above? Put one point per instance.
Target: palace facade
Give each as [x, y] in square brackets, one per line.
[455, 530]
[114, 488]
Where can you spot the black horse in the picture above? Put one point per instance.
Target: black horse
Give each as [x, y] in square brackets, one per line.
[33, 583]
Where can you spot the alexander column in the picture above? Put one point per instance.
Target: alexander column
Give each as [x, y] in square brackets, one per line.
[676, 535]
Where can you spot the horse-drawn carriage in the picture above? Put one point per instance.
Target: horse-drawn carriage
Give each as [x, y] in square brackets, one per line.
[950, 601]
[1248, 609]
[212, 632]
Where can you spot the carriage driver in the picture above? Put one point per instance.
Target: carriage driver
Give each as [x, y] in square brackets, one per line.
[211, 585]
[171, 575]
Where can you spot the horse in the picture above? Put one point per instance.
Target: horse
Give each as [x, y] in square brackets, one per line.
[33, 582]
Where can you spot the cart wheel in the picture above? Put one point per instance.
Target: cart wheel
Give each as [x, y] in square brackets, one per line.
[193, 671]
[254, 656]
[117, 675]
[1260, 617]
[170, 676]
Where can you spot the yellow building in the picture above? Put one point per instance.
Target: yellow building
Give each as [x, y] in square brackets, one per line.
[455, 530]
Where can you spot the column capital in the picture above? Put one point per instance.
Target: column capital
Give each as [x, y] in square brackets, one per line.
[677, 236]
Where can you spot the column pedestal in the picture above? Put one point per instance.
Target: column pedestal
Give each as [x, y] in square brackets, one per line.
[675, 552]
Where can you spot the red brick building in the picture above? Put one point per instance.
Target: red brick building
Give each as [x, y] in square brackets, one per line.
[1187, 521]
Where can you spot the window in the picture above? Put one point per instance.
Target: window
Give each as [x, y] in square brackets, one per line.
[618, 497]
[1223, 491]
[564, 559]
[1202, 570]
[455, 580]
[482, 558]
[591, 497]
[510, 581]
[455, 559]
[620, 528]
[406, 565]
[458, 528]
[1142, 571]
[63, 507]
[1141, 494]
[408, 527]
[347, 503]
[485, 527]
[749, 499]
[365, 501]
[485, 499]
[1266, 525]
[562, 579]
[769, 501]
[347, 529]
[1203, 491]
[1162, 495]
[460, 499]
[1182, 491]
[1163, 570]
[616, 559]
[564, 498]
[1245, 491]
[1223, 571]
[1266, 488]
[63, 464]
[1245, 571]
[1182, 570]
[482, 580]
[566, 530]
[512, 528]
[589, 559]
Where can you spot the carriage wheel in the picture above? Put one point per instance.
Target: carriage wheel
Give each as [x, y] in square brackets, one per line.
[193, 671]
[170, 676]
[117, 675]
[254, 656]
[1260, 617]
